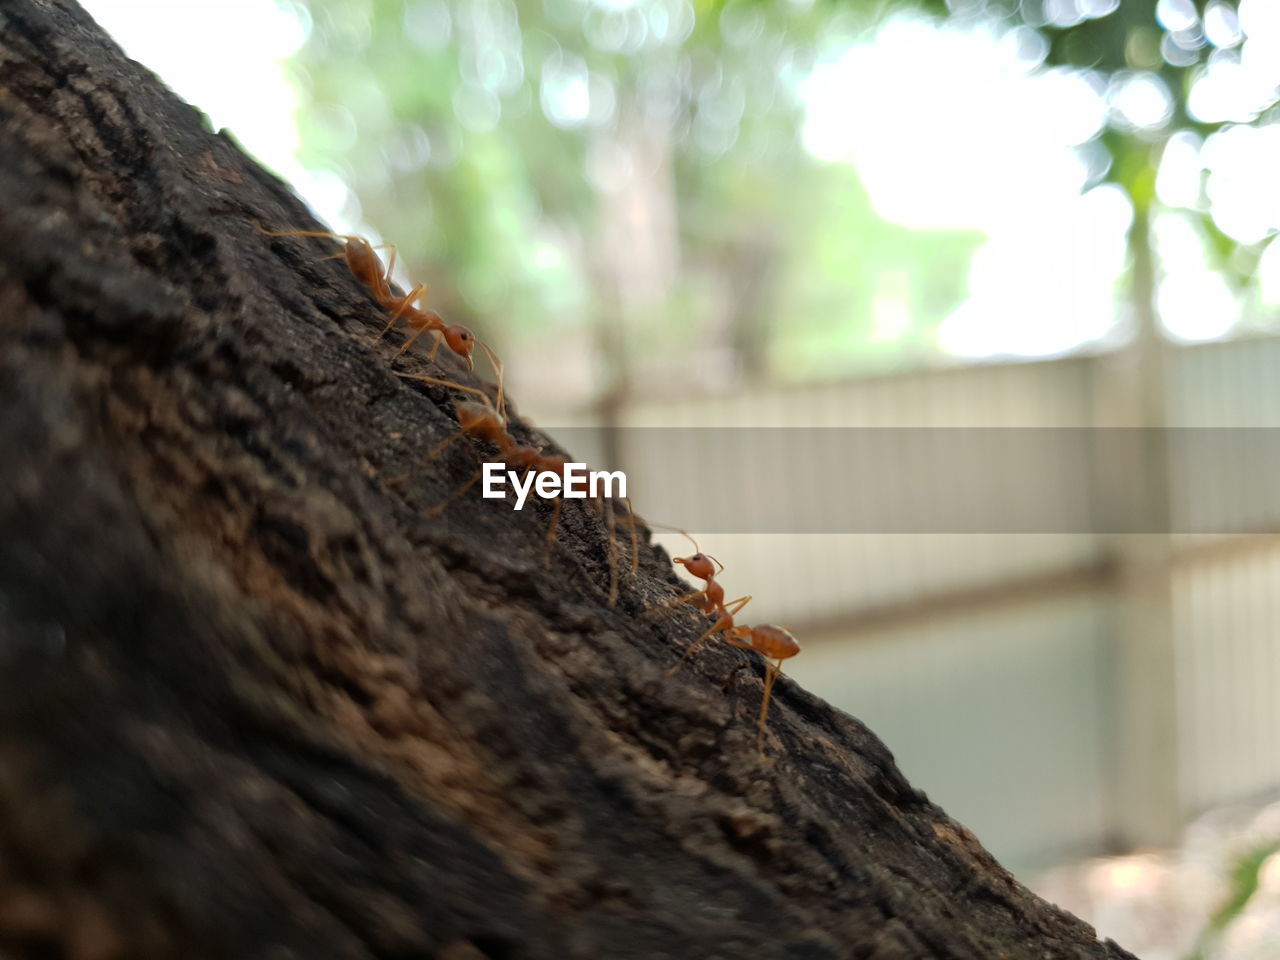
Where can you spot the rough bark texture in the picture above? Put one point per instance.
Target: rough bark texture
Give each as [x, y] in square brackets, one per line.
[254, 702]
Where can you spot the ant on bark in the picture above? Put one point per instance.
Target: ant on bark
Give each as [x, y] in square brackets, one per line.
[482, 421]
[701, 565]
[772, 642]
[367, 268]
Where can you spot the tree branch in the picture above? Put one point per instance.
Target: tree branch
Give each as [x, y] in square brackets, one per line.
[255, 702]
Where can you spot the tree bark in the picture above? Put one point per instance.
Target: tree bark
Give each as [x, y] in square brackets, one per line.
[255, 702]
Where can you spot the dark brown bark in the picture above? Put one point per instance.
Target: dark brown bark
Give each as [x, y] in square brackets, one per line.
[254, 702]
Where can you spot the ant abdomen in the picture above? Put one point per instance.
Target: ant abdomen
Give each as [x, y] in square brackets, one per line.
[480, 422]
[363, 262]
[776, 643]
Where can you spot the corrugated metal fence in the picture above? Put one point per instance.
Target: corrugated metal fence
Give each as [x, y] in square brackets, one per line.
[1006, 670]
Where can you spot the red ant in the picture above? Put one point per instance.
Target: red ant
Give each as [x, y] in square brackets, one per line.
[772, 642]
[482, 421]
[358, 252]
[456, 337]
[365, 267]
[711, 597]
[700, 565]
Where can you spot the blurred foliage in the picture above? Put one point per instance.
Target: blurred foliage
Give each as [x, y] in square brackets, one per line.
[1164, 41]
[494, 145]
[631, 173]
[1244, 882]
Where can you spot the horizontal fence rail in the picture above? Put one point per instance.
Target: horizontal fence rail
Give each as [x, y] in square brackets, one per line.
[1019, 670]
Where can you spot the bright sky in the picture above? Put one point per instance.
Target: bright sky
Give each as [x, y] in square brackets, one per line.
[991, 146]
[962, 132]
[226, 57]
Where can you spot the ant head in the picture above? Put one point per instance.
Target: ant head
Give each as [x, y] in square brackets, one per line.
[698, 565]
[461, 341]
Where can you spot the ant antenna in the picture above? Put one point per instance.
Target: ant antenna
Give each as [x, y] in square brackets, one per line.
[680, 530]
[688, 536]
[499, 372]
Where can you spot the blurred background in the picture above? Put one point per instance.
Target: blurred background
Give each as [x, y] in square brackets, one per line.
[872, 214]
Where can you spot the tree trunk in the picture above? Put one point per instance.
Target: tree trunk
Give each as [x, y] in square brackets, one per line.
[256, 702]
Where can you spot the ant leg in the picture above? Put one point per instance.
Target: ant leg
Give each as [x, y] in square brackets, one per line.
[435, 451]
[382, 289]
[339, 256]
[498, 371]
[551, 533]
[400, 308]
[403, 303]
[387, 329]
[391, 261]
[414, 339]
[460, 492]
[737, 605]
[446, 383]
[676, 601]
[635, 544]
[381, 283]
[435, 346]
[321, 234]
[613, 563]
[771, 675]
[721, 624]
